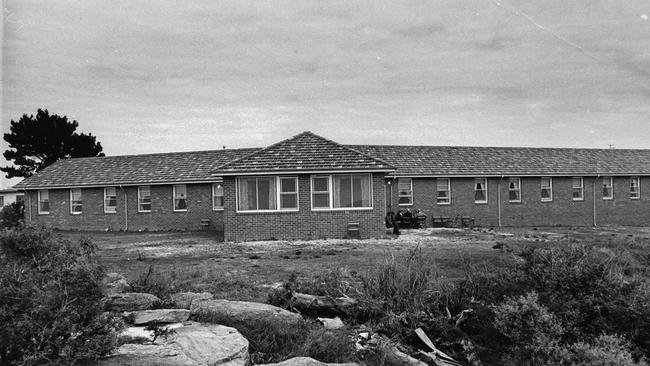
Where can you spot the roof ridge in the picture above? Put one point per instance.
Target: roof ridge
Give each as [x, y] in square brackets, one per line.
[501, 147]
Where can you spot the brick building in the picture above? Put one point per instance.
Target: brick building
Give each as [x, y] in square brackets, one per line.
[311, 187]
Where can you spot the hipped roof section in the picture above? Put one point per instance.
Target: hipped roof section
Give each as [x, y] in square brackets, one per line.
[305, 152]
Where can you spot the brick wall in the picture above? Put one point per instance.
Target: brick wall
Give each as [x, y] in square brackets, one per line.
[161, 217]
[562, 210]
[304, 224]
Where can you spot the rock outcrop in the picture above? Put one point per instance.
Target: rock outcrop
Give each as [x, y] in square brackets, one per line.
[183, 300]
[239, 311]
[157, 316]
[306, 361]
[130, 301]
[191, 345]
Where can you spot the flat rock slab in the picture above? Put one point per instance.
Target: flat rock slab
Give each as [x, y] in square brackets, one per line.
[116, 283]
[130, 301]
[157, 316]
[306, 361]
[239, 311]
[195, 344]
[183, 300]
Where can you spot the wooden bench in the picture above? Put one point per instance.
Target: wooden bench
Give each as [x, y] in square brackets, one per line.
[441, 221]
[205, 224]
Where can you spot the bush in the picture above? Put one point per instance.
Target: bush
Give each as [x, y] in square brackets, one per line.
[12, 216]
[607, 350]
[50, 301]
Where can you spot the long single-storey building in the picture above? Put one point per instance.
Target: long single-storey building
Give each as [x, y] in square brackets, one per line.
[310, 187]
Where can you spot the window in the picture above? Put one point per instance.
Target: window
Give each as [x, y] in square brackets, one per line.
[76, 204]
[110, 200]
[405, 189]
[289, 193]
[144, 199]
[2, 201]
[180, 197]
[20, 198]
[443, 191]
[217, 196]
[635, 192]
[320, 192]
[256, 194]
[341, 191]
[514, 190]
[547, 189]
[480, 190]
[43, 202]
[608, 188]
[578, 189]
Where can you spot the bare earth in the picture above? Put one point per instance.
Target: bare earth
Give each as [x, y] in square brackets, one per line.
[198, 261]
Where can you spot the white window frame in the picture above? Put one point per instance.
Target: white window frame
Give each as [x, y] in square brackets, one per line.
[106, 201]
[313, 192]
[485, 190]
[140, 199]
[277, 194]
[448, 200]
[636, 179]
[174, 198]
[611, 188]
[409, 194]
[518, 189]
[550, 189]
[40, 199]
[581, 188]
[216, 207]
[330, 187]
[294, 193]
[72, 205]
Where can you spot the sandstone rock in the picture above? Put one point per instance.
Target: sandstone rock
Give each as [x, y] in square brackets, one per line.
[191, 345]
[130, 301]
[330, 323]
[116, 283]
[306, 361]
[158, 316]
[183, 300]
[240, 311]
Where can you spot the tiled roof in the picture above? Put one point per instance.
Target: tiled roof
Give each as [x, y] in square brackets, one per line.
[314, 153]
[463, 160]
[133, 169]
[304, 152]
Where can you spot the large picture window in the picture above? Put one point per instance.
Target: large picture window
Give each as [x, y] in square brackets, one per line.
[144, 199]
[578, 189]
[480, 190]
[514, 189]
[547, 189]
[267, 193]
[443, 191]
[76, 203]
[341, 191]
[608, 188]
[110, 200]
[405, 189]
[180, 197]
[43, 202]
[217, 196]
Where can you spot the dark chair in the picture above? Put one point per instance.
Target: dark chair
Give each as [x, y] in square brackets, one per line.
[420, 222]
[407, 222]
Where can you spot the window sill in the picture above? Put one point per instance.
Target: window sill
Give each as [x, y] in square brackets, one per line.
[75, 213]
[578, 199]
[405, 204]
[443, 203]
[180, 211]
[515, 201]
[218, 209]
[481, 202]
[608, 199]
[342, 209]
[267, 212]
[43, 213]
[635, 198]
[144, 212]
[547, 200]
[110, 212]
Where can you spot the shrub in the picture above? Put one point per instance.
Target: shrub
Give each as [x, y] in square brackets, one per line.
[12, 216]
[607, 350]
[50, 301]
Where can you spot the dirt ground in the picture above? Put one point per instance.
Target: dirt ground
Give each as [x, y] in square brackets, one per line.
[198, 261]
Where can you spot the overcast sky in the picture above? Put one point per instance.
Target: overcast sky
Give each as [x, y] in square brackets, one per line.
[158, 76]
